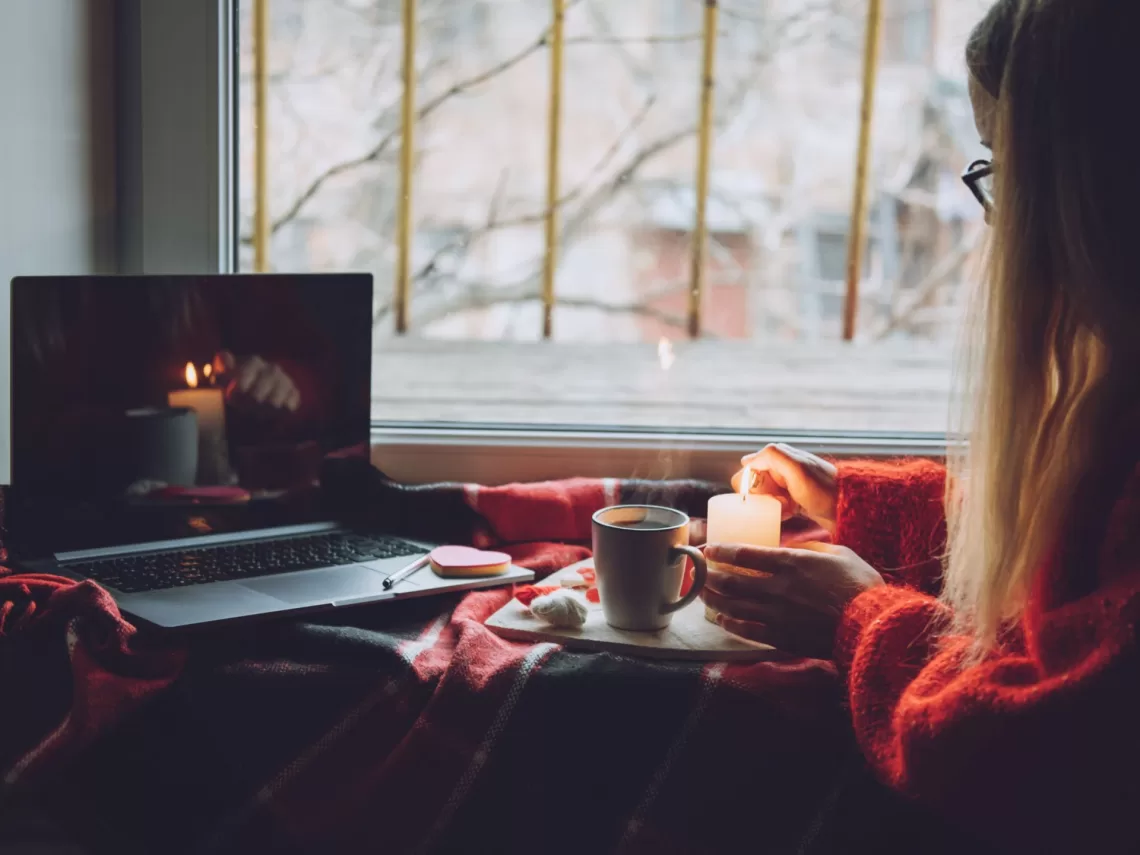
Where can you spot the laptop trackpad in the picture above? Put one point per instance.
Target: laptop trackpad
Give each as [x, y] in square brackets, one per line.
[322, 586]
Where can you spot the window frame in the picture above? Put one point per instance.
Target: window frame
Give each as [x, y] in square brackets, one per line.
[178, 179]
[177, 166]
[501, 455]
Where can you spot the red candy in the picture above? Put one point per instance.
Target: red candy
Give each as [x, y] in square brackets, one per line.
[588, 574]
[527, 594]
[593, 596]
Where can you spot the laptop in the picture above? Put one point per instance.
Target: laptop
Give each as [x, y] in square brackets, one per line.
[168, 435]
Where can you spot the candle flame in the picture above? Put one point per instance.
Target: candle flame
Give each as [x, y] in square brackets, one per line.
[665, 353]
[191, 376]
[207, 370]
[745, 483]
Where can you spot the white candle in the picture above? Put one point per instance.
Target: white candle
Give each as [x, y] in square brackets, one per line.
[210, 406]
[744, 518]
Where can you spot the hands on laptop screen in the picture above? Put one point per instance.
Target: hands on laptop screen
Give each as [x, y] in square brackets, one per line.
[148, 408]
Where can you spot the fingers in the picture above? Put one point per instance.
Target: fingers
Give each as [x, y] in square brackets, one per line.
[248, 373]
[267, 385]
[262, 383]
[820, 548]
[776, 462]
[789, 627]
[774, 474]
[809, 481]
[775, 452]
[742, 609]
[282, 389]
[274, 388]
[745, 629]
[746, 584]
[821, 578]
[765, 484]
[766, 559]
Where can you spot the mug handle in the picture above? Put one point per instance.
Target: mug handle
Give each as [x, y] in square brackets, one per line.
[702, 573]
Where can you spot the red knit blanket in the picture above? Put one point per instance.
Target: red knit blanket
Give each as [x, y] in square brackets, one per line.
[409, 727]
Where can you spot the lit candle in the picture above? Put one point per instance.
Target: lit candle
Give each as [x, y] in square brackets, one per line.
[210, 406]
[744, 517]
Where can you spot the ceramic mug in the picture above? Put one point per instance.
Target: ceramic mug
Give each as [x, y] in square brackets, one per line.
[639, 557]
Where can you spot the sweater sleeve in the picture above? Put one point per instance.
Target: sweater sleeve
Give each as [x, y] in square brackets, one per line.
[891, 514]
[1035, 749]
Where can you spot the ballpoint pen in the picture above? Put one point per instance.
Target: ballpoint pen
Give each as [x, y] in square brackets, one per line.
[401, 575]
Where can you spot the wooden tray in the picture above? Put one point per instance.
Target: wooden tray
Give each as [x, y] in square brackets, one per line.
[689, 636]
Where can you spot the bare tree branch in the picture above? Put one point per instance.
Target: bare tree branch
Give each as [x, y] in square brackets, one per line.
[924, 292]
[493, 221]
[592, 203]
[382, 146]
[639, 40]
[428, 108]
[483, 295]
[439, 293]
[433, 104]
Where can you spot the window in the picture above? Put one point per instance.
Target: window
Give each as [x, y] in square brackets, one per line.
[908, 31]
[769, 354]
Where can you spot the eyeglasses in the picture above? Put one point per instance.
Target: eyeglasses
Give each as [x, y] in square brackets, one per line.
[979, 177]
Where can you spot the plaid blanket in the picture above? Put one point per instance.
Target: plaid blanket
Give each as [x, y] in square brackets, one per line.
[409, 727]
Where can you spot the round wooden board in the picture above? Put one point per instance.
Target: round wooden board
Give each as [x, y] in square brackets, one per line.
[690, 636]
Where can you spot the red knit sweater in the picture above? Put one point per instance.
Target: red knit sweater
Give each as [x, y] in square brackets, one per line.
[1037, 748]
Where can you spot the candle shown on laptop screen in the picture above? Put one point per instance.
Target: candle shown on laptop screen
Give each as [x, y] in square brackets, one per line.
[744, 517]
[210, 406]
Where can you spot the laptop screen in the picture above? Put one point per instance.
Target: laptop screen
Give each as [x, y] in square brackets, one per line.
[158, 407]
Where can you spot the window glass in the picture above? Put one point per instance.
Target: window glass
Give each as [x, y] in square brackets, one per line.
[782, 155]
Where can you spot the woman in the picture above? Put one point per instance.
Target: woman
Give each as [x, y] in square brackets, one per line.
[992, 664]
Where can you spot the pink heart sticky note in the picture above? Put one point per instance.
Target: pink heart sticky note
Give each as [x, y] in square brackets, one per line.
[466, 561]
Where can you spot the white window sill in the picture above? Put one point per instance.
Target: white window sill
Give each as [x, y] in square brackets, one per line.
[490, 456]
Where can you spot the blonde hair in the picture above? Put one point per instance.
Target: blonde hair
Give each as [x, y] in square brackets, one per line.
[1053, 350]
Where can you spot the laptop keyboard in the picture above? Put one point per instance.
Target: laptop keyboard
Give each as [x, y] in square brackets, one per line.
[135, 574]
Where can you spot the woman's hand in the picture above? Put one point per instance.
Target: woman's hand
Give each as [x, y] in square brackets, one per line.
[791, 599]
[806, 485]
[255, 384]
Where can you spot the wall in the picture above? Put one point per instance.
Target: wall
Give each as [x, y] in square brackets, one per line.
[57, 149]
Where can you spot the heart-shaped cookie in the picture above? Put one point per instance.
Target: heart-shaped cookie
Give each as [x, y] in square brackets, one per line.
[451, 561]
